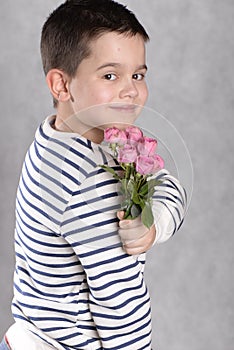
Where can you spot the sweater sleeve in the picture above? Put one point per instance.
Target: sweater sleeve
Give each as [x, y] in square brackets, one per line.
[169, 206]
[118, 297]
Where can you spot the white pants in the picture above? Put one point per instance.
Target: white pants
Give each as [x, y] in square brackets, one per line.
[21, 339]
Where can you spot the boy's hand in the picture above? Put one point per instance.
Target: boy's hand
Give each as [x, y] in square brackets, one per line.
[135, 236]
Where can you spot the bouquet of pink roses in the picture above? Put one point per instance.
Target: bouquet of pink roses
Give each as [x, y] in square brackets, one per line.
[137, 157]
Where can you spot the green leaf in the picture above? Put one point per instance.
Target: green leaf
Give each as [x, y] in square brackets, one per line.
[125, 204]
[143, 189]
[142, 203]
[148, 189]
[136, 198]
[130, 186]
[152, 183]
[147, 215]
[135, 211]
[110, 170]
[124, 188]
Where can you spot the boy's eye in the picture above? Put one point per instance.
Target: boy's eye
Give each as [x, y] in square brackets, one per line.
[110, 76]
[138, 76]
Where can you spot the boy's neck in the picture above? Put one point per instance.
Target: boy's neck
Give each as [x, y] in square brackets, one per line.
[71, 125]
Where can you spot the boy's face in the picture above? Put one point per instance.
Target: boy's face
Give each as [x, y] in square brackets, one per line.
[113, 76]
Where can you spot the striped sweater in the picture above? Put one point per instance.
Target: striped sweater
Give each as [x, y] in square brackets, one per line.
[74, 286]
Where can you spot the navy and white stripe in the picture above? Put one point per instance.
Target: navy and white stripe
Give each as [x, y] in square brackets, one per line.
[74, 286]
[169, 206]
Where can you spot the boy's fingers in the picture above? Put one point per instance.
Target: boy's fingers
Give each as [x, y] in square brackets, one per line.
[134, 251]
[131, 223]
[132, 233]
[120, 214]
[141, 245]
[125, 224]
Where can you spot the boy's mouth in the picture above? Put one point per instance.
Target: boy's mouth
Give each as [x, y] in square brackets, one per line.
[124, 108]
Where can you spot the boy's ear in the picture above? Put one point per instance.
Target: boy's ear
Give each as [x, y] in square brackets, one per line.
[57, 82]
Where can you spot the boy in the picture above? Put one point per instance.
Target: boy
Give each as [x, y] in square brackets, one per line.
[76, 286]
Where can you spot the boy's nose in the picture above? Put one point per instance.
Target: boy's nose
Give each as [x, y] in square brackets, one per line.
[128, 89]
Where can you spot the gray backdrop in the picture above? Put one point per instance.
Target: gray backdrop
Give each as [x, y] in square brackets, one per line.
[191, 83]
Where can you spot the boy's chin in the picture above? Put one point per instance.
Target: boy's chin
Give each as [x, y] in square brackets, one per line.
[120, 126]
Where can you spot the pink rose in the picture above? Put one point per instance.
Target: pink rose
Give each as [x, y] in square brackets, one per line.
[145, 165]
[114, 135]
[158, 163]
[127, 154]
[134, 134]
[147, 146]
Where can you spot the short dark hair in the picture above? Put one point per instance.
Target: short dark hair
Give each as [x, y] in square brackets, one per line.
[69, 29]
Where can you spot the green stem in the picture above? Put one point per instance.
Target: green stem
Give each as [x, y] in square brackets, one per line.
[128, 171]
[127, 212]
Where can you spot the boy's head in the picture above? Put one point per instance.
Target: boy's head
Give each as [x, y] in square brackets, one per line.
[73, 26]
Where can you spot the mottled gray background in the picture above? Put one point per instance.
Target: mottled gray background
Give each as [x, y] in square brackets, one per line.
[190, 61]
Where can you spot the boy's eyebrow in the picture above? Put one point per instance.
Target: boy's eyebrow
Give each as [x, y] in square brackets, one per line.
[113, 64]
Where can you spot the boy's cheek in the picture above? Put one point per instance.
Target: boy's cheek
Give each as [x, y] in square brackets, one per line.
[145, 93]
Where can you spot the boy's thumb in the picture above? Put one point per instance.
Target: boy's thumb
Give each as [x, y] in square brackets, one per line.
[120, 214]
